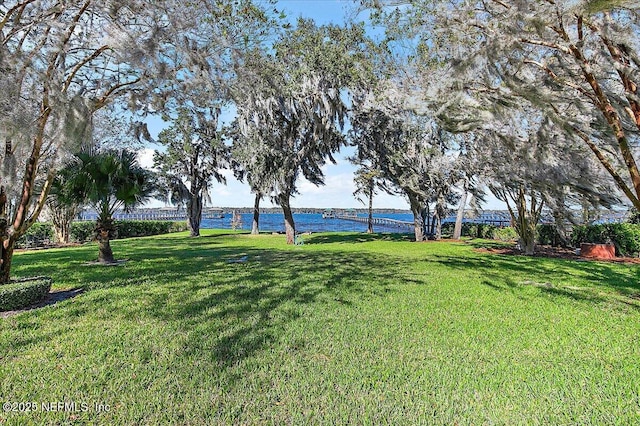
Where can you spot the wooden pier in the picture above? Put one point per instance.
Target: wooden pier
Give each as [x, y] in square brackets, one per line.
[173, 215]
[377, 221]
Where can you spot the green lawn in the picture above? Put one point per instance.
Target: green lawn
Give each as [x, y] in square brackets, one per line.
[345, 329]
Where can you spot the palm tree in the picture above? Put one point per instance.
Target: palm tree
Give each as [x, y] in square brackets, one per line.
[62, 205]
[107, 181]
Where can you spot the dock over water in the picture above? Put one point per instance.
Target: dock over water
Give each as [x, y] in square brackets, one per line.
[377, 221]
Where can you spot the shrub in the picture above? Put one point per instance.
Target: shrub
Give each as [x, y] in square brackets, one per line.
[625, 236]
[84, 231]
[473, 230]
[481, 230]
[23, 293]
[548, 235]
[38, 235]
[507, 233]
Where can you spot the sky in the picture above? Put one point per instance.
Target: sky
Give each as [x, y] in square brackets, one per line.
[339, 186]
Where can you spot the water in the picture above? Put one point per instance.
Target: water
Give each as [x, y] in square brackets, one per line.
[306, 222]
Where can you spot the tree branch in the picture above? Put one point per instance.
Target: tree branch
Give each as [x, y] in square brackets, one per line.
[82, 63]
[102, 100]
[609, 167]
[41, 202]
[565, 82]
[13, 10]
[543, 43]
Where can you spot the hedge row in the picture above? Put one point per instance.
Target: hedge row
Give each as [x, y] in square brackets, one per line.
[17, 295]
[473, 230]
[42, 233]
[625, 236]
[82, 232]
[38, 234]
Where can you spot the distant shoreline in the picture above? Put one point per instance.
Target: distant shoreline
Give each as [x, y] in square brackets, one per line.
[267, 210]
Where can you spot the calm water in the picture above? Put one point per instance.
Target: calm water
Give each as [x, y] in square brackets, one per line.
[306, 222]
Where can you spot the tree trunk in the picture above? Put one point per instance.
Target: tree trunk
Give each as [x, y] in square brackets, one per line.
[432, 225]
[194, 215]
[457, 229]
[6, 256]
[418, 218]
[61, 231]
[370, 216]
[6, 241]
[61, 220]
[104, 232]
[255, 226]
[526, 219]
[438, 233]
[105, 254]
[289, 225]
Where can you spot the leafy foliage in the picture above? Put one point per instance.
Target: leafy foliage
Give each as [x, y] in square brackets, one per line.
[625, 236]
[507, 233]
[291, 109]
[574, 62]
[36, 235]
[473, 230]
[82, 231]
[108, 180]
[194, 155]
[548, 234]
[410, 154]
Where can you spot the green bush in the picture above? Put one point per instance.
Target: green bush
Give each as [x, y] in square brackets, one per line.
[473, 230]
[81, 232]
[548, 235]
[507, 233]
[17, 295]
[625, 236]
[38, 235]
[84, 231]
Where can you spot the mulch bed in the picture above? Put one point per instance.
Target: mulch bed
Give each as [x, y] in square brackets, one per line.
[555, 252]
[52, 298]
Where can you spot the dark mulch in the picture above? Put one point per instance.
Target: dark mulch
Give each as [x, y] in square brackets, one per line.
[52, 298]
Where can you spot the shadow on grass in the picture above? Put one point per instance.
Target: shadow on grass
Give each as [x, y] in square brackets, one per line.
[490, 244]
[229, 300]
[551, 276]
[356, 238]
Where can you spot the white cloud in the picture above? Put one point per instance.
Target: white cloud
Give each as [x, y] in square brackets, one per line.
[145, 158]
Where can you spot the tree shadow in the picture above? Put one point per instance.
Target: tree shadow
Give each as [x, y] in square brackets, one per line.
[239, 299]
[606, 283]
[354, 238]
[490, 244]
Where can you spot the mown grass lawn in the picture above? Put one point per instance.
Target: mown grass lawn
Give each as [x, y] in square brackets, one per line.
[346, 329]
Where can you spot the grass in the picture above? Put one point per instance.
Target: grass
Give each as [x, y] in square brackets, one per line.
[346, 329]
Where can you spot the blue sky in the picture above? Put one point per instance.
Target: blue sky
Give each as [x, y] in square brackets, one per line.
[339, 188]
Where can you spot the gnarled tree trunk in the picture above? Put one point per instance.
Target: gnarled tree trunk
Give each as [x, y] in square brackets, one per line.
[526, 218]
[6, 245]
[289, 225]
[438, 227]
[255, 225]
[194, 215]
[61, 217]
[5, 259]
[418, 211]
